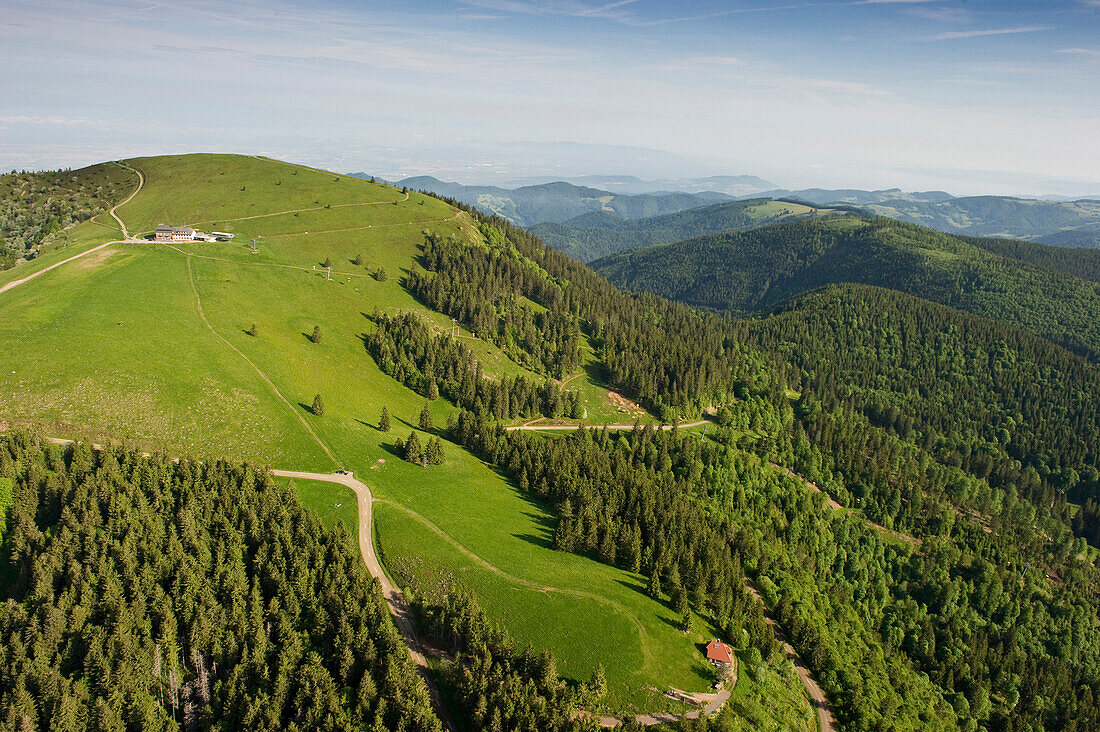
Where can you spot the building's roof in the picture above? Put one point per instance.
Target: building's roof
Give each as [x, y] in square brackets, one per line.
[719, 651]
[164, 227]
[183, 229]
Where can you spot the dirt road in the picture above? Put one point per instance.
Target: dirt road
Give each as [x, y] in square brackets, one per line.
[141, 184]
[402, 613]
[825, 721]
[28, 278]
[125, 237]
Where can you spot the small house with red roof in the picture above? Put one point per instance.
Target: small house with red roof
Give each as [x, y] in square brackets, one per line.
[719, 653]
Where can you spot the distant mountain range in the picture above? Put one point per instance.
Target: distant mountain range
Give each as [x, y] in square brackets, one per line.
[737, 186]
[1059, 223]
[530, 205]
[1068, 223]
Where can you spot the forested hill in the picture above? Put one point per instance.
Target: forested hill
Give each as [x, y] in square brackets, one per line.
[36, 208]
[155, 595]
[755, 270]
[1060, 223]
[595, 235]
[1078, 262]
[994, 215]
[560, 201]
[974, 393]
[988, 581]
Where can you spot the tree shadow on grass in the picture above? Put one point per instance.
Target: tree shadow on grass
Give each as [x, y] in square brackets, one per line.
[368, 424]
[391, 448]
[671, 622]
[636, 586]
[540, 541]
[544, 521]
[598, 374]
[307, 407]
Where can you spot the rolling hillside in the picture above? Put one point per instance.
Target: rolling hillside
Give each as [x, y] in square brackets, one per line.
[207, 350]
[1058, 223]
[559, 201]
[37, 210]
[621, 550]
[755, 270]
[596, 235]
[1003, 216]
[968, 390]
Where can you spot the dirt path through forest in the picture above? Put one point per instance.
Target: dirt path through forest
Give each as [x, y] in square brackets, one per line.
[399, 608]
[825, 721]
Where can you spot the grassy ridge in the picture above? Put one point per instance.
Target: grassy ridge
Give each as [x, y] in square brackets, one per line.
[117, 345]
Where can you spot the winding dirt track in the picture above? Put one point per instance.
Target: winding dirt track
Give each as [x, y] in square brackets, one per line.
[825, 721]
[141, 184]
[125, 236]
[400, 610]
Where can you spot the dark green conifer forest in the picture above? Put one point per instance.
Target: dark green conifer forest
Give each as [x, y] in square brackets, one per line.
[146, 594]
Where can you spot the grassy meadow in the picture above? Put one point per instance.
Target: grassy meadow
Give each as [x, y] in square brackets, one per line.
[151, 345]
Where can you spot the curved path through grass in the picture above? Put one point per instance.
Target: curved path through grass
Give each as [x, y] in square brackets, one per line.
[125, 236]
[402, 613]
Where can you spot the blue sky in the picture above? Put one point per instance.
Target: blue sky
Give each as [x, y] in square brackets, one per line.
[970, 97]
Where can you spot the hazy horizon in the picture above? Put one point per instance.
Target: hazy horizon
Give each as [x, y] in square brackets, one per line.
[968, 97]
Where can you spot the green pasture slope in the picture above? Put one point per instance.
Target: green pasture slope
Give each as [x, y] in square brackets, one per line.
[149, 344]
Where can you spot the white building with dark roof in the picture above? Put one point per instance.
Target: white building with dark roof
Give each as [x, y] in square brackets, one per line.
[165, 232]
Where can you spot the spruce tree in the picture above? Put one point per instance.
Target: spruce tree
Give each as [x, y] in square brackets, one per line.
[316, 337]
[384, 421]
[653, 587]
[412, 448]
[426, 422]
[597, 685]
[318, 407]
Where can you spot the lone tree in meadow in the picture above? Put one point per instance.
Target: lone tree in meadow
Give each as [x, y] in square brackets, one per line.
[318, 407]
[358, 261]
[384, 421]
[316, 337]
[380, 274]
[328, 263]
[426, 422]
[254, 330]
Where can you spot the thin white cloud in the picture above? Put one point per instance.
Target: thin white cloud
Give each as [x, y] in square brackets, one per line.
[710, 61]
[612, 10]
[981, 33]
[1089, 53]
[940, 14]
